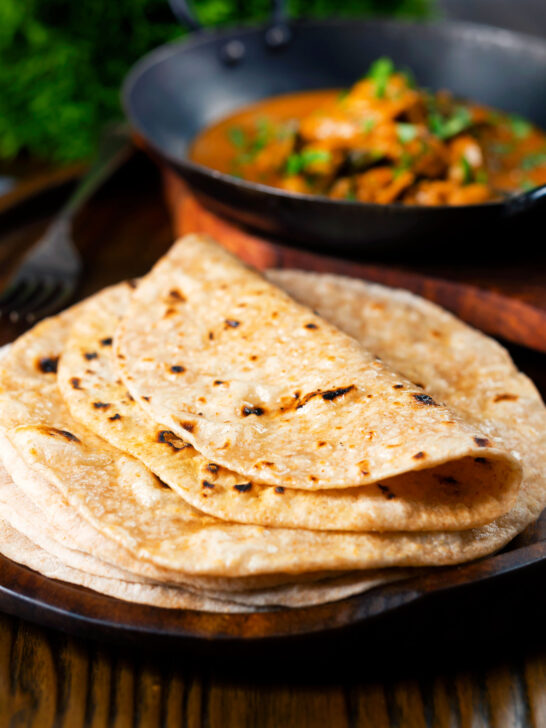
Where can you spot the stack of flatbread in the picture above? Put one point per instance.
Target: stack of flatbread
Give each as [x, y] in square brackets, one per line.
[209, 438]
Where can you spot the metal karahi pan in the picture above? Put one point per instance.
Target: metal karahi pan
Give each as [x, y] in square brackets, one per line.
[180, 88]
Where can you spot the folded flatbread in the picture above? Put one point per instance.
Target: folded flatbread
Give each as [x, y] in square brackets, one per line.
[261, 385]
[455, 495]
[116, 494]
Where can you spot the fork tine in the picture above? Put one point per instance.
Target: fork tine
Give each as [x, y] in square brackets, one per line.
[40, 298]
[54, 304]
[22, 294]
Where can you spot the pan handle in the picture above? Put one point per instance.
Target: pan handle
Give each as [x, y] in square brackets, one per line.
[528, 200]
[184, 14]
[277, 34]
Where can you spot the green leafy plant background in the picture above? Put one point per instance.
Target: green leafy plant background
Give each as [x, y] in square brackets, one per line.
[62, 61]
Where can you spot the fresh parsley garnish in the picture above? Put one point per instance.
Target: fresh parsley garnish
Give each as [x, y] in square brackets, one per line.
[466, 168]
[380, 71]
[447, 127]
[293, 165]
[237, 136]
[531, 161]
[520, 126]
[297, 163]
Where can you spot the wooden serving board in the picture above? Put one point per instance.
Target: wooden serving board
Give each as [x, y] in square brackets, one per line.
[121, 233]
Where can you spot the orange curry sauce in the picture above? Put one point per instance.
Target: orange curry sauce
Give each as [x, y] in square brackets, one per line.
[384, 140]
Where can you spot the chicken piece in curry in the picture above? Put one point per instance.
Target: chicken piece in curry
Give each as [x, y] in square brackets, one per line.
[382, 141]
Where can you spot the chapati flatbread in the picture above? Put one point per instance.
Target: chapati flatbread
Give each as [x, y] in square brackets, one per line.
[160, 536]
[20, 549]
[29, 522]
[453, 496]
[263, 386]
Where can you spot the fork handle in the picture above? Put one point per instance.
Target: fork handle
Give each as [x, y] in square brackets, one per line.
[114, 150]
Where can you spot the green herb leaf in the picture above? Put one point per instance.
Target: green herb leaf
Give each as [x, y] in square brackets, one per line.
[520, 126]
[445, 128]
[405, 163]
[237, 137]
[368, 125]
[297, 163]
[467, 170]
[481, 177]
[406, 132]
[380, 71]
[531, 161]
[310, 156]
[293, 165]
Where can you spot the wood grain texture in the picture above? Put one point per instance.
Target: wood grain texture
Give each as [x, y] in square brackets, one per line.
[51, 681]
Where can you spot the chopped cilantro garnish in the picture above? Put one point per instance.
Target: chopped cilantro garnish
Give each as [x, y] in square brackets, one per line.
[531, 161]
[237, 136]
[481, 177]
[445, 128]
[467, 170]
[264, 132]
[406, 132]
[309, 156]
[297, 163]
[520, 126]
[380, 72]
[368, 125]
[403, 166]
[293, 165]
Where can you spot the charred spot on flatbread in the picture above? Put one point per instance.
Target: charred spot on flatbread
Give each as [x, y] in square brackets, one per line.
[65, 434]
[425, 399]
[332, 394]
[48, 364]
[258, 411]
[172, 440]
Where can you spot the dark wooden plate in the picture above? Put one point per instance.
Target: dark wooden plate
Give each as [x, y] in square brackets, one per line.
[121, 233]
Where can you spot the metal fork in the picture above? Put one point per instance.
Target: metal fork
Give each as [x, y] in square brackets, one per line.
[48, 275]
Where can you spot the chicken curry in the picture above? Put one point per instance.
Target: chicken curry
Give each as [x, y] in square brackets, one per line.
[383, 141]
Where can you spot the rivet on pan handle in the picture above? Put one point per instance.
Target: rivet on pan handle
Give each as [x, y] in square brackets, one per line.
[277, 34]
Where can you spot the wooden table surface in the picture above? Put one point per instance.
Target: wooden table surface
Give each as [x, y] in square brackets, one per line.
[488, 669]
